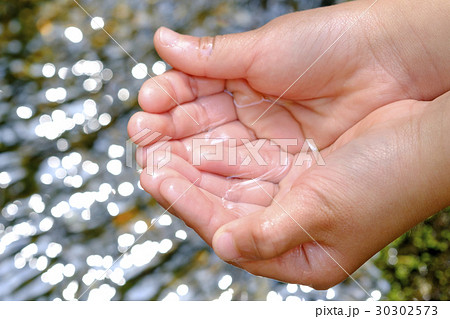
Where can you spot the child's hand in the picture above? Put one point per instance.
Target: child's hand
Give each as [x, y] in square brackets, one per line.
[381, 147]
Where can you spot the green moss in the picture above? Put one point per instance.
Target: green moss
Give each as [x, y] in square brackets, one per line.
[417, 263]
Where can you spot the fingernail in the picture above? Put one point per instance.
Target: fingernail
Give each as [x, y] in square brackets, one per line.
[225, 247]
[246, 98]
[168, 37]
[243, 105]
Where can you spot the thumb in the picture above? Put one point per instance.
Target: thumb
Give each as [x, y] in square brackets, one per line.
[223, 56]
[299, 218]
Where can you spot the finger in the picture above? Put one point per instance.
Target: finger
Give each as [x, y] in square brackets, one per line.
[228, 189]
[237, 190]
[229, 131]
[151, 182]
[199, 209]
[235, 131]
[182, 121]
[253, 160]
[223, 56]
[257, 159]
[161, 93]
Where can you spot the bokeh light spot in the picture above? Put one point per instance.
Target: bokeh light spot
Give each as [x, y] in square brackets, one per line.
[48, 70]
[24, 112]
[159, 67]
[97, 23]
[73, 34]
[123, 94]
[139, 71]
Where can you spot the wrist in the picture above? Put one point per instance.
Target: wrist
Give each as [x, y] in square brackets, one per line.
[434, 153]
[411, 38]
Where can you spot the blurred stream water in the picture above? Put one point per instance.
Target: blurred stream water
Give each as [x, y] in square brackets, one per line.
[69, 205]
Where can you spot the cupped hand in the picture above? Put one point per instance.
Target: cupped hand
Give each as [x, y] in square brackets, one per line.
[312, 224]
[286, 218]
[331, 66]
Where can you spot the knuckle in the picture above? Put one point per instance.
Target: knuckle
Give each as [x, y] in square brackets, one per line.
[167, 82]
[193, 85]
[206, 46]
[200, 113]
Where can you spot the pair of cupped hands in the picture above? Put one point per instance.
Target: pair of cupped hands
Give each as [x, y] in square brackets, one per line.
[374, 103]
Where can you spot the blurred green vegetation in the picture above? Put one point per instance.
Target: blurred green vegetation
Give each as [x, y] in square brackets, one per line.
[418, 263]
[31, 36]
